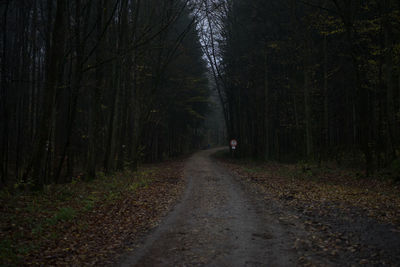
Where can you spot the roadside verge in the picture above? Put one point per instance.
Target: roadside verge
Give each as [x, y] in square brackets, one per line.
[87, 223]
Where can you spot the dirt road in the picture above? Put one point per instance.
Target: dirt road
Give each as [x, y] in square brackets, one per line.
[217, 223]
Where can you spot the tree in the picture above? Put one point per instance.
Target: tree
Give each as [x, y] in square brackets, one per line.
[307, 79]
[106, 66]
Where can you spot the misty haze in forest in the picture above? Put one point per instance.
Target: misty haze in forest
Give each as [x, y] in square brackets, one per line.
[94, 89]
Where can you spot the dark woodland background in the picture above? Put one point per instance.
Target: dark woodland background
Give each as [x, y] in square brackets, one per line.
[90, 86]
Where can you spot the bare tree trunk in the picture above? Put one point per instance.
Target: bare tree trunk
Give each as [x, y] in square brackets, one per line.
[4, 101]
[113, 143]
[123, 103]
[95, 100]
[326, 103]
[266, 107]
[56, 54]
[363, 107]
[80, 28]
[110, 145]
[133, 108]
[307, 108]
[388, 75]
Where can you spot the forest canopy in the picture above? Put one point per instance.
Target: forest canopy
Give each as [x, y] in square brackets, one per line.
[91, 86]
[308, 80]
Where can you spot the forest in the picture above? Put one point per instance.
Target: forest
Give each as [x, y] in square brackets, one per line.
[91, 86]
[116, 118]
[310, 80]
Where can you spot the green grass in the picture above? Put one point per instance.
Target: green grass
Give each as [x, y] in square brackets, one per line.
[90, 201]
[64, 214]
[142, 182]
[37, 230]
[11, 254]
[34, 218]
[7, 253]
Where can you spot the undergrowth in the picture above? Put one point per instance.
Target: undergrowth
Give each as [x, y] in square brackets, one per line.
[377, 195]
[28, 218]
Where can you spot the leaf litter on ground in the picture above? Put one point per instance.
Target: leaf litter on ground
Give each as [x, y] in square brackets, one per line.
[349, 220]
[87, 223]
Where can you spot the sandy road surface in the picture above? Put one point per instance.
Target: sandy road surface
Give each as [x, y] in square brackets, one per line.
[216, 224]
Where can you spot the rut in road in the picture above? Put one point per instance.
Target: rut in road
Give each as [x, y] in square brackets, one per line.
[216, 224]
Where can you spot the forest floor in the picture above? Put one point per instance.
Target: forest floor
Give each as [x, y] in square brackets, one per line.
[207, 210]
[236, 213]
[86, 223]
[346, 220]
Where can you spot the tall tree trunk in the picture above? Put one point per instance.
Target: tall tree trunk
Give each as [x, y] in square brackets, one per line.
[113, 143]
[346, 11]
[133, 108]
[56, 55]
[266, 107]
[95, 99]
[80, 29]
[307, 109]
[388, 75]
[110, 145]
[124, 76]
[326, 103]
[4, 101]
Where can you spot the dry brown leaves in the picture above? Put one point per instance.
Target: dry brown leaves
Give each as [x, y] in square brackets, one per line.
[101, 229]
[380, 198]
[347, 220]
